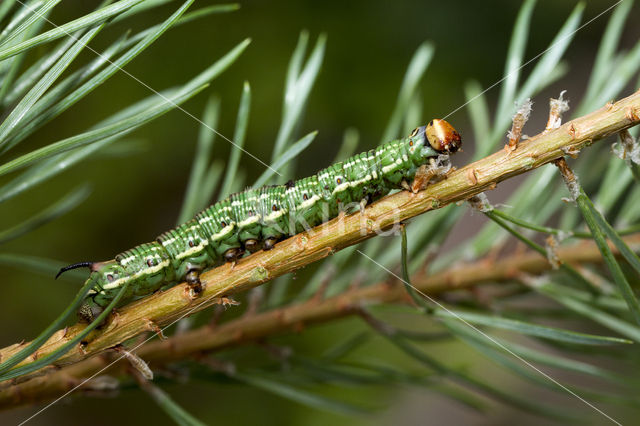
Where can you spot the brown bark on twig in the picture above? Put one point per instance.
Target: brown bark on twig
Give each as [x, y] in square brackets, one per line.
[295, 317]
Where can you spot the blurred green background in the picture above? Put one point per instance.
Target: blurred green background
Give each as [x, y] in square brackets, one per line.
[137, 196]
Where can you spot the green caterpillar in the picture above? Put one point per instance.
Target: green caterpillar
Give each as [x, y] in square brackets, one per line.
[258, 218]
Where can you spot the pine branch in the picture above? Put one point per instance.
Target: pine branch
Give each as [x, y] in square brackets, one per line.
[296, 317]
[164, 308]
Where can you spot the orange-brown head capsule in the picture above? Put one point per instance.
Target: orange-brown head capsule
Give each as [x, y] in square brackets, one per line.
[442, 136]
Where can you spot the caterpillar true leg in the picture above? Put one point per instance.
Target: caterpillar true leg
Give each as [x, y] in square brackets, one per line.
[422, 178]
[363, 204]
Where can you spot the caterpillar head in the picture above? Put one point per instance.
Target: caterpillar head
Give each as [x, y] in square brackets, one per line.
[442, 136]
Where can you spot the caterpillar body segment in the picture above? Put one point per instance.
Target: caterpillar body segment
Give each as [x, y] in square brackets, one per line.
[258, 218]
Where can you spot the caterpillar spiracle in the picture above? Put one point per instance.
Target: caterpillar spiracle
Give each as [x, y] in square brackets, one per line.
[257, 218]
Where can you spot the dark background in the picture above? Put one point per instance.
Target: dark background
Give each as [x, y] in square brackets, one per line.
[135, 197]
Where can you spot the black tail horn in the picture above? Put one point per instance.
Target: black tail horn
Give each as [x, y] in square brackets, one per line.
[74, 266]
